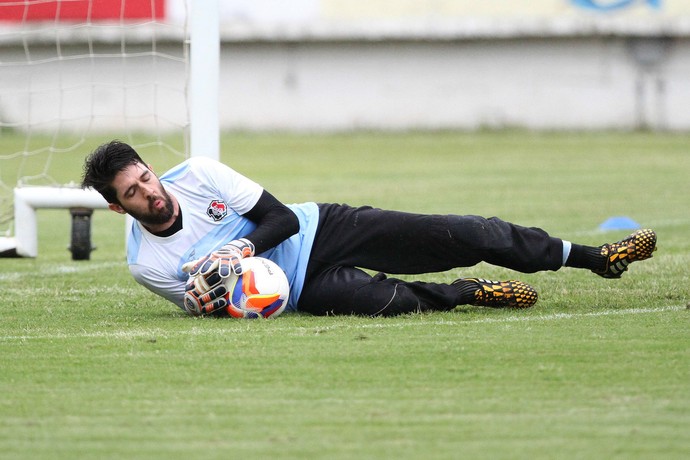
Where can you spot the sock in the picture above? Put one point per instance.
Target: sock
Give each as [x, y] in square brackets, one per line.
[567, 246]
[466, 290]
[585, 257]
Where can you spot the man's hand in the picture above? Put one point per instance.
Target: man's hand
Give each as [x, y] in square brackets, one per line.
[205, 291]
[225, 261]
[200, 299]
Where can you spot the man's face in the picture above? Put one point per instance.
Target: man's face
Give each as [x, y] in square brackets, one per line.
[142, 196]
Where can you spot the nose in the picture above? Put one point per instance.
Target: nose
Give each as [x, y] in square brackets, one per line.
[148, 191]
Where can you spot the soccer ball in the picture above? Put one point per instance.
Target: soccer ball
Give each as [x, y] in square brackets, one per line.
[261, 291]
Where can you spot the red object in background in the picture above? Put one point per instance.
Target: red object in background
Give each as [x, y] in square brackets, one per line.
[81, 10]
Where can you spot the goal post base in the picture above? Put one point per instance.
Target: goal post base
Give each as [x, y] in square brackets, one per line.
[80, 241]
[28, 199]
[8, 247]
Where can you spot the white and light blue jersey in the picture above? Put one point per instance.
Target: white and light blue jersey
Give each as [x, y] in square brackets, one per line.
[213, 198]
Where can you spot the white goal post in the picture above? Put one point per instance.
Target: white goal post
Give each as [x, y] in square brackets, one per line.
[28, 199]
[200, 38]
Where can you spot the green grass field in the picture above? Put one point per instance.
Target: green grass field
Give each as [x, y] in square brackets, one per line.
[94, 366]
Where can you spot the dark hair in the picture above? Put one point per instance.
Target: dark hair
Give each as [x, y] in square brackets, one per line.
[103, 164]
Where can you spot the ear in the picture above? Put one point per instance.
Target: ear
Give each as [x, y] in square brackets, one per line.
[117, 208]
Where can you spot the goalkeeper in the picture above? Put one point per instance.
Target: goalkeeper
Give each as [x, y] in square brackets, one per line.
[195, 223]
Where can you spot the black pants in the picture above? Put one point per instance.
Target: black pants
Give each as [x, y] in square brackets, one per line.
[350, 239]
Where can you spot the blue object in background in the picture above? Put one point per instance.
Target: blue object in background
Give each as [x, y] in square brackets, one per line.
[610, 5]
[619, 223]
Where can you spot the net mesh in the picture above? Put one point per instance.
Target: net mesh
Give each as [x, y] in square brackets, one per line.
[76, 73]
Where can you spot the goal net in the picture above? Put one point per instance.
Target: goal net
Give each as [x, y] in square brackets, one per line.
[74, 74]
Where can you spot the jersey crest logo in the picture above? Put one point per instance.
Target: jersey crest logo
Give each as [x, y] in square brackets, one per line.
[217, 210]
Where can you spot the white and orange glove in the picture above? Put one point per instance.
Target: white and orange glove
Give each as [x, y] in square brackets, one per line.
[205, 290]
[201, 300]
[225, 260]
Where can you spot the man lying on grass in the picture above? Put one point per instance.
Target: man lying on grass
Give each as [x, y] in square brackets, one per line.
[198, 220]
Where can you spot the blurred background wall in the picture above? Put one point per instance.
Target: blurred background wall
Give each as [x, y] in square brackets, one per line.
[324, 65]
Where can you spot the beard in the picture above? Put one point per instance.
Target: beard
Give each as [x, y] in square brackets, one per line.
[155, 216]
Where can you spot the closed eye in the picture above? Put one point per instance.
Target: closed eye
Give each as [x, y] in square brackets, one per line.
[129, 193]
[144, 177]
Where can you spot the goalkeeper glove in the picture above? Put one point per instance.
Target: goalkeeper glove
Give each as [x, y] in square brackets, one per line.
[200, 299]
[225, 260]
